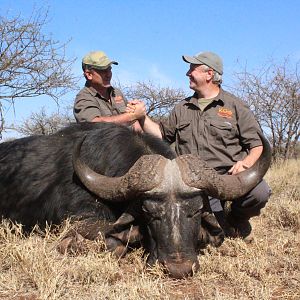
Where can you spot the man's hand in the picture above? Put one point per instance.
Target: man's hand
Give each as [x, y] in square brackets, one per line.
[247, 162]
[238, 167]
[137, 108]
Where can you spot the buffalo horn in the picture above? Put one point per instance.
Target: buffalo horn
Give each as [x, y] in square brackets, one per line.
[143, 176]
[196, 173]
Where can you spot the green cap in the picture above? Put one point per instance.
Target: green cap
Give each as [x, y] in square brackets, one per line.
[97, 60]
[206, 58]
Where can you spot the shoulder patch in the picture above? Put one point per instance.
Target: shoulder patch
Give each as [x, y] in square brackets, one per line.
[225, 112]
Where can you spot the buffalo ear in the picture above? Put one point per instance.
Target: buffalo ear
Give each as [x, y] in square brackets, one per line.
[127, 217]
[210, 231]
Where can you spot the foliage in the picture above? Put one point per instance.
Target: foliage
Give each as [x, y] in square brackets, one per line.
[31, 63]
[43, 124]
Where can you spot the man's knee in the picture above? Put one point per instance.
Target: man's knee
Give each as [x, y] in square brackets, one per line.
[251, 204]
[261, 193]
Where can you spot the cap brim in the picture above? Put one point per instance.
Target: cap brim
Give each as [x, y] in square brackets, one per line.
[191, 60]
[105, 67]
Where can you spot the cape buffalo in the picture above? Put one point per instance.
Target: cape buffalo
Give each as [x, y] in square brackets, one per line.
[120, 186]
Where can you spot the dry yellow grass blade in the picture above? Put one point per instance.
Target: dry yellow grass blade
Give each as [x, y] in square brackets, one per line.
[268, 268]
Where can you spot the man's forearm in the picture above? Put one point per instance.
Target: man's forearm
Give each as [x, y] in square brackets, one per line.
[253, 156]
[123, 119]
[150, 126]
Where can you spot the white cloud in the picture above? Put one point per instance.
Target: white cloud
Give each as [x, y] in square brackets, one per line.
[142, 71]
[156, 75]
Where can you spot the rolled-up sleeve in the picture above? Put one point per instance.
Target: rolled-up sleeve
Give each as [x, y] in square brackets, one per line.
[248, 127]
[85, 110]
[168, 127]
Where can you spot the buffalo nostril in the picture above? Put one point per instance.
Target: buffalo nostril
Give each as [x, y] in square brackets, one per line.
[181, 269]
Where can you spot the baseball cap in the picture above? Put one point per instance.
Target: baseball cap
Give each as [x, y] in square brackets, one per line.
[97, 60]
[206, 58]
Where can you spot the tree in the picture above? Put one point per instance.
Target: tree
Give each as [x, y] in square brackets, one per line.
[43, 124]
[31, 63]
[159, 100]
[273, 93]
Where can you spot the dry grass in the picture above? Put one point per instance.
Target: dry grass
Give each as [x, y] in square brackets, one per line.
[268, 268]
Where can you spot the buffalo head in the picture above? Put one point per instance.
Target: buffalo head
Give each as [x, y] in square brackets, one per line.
[171, 194]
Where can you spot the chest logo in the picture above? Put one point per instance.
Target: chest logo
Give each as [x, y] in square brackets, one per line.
[119, 99]
[225, 112]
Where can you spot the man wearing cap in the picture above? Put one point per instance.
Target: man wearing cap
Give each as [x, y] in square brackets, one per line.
[221, 129]
[98, 101]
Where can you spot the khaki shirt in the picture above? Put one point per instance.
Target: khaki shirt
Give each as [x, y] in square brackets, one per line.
[90, 104]
[221, 134]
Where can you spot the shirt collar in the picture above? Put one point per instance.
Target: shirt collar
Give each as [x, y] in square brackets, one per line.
[194, 99]
[94, 92]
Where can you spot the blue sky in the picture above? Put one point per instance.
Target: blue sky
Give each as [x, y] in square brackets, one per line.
[147, 38]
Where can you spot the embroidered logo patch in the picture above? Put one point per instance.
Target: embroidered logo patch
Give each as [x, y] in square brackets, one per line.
[119, 99]
[225, 112]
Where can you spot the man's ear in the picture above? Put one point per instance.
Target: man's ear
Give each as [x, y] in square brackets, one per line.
[210, 74]
[88, 74]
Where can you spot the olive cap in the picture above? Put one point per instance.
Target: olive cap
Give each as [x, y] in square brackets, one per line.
[209, 59]
[97, 60]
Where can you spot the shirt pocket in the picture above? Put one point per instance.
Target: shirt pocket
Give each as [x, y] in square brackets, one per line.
[222, 129]
[184, 131]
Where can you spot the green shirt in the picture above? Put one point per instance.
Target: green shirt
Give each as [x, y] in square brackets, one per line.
[221, 134]
[90, 104]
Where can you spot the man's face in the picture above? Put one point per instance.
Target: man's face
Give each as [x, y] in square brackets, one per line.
[199, 77]
[99, 77]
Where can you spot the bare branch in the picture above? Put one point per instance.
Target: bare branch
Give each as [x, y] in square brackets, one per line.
[31, 63]
[273, 93]
[43, 124]
[159, 100]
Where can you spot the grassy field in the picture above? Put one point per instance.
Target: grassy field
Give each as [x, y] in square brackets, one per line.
[268, 268]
